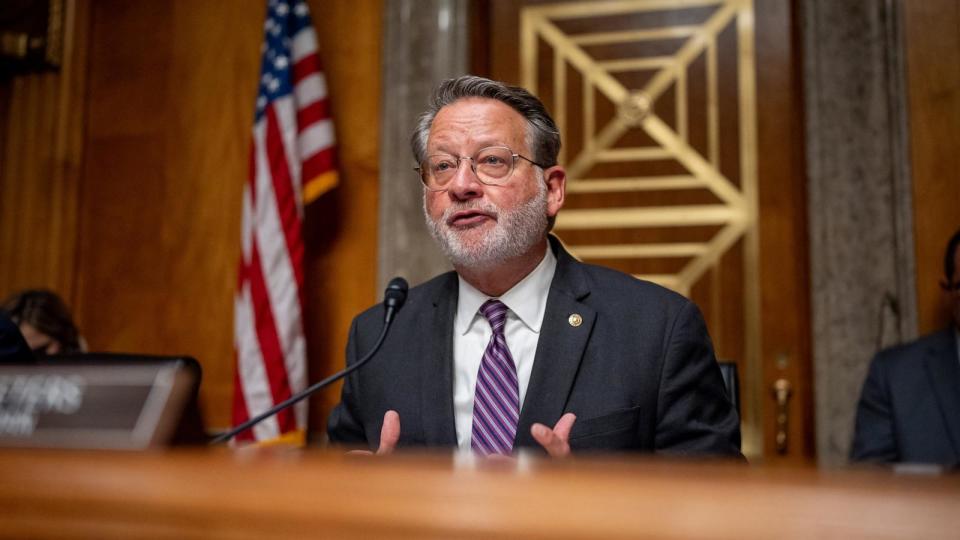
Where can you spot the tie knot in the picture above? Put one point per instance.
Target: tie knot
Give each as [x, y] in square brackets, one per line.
[496, 312]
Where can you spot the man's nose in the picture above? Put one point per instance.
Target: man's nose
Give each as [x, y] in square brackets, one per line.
[465, 184]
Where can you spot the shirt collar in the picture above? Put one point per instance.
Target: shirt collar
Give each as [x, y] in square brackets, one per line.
[527, 299]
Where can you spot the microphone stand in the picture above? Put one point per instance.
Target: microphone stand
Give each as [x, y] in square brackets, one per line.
[395, 296]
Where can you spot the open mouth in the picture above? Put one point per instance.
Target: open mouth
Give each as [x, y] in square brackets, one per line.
[469, 218]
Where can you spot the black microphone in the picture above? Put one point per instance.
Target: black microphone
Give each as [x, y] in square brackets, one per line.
[393, 299]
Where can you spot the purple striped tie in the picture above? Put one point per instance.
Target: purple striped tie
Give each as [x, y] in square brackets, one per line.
[496, 404]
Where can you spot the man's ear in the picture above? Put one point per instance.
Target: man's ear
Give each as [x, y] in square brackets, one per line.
[556, 179]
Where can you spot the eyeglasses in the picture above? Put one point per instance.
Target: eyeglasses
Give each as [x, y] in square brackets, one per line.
[493, 166]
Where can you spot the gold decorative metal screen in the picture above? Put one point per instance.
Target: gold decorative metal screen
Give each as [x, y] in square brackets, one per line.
[736, 207]
[656, 102]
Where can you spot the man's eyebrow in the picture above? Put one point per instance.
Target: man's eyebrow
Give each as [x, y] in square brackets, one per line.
[486, 143]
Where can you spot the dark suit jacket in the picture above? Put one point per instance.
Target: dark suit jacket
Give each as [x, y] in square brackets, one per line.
[639, 372]
[909, 410]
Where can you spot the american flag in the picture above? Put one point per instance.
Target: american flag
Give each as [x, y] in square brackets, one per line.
[292, 162]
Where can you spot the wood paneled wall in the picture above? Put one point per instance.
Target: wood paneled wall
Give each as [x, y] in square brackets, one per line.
[154, 207]
[931, 29]
[341, 227]
[170, 86]
[41, 150]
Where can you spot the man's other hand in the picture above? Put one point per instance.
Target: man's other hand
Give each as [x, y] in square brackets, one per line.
[389, 435]
[555, 441]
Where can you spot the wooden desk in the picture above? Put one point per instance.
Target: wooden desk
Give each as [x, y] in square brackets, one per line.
[293, 494]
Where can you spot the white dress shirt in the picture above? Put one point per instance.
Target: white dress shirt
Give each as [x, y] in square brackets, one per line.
[526, 303]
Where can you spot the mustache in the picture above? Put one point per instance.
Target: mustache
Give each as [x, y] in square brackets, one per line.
[480, 206]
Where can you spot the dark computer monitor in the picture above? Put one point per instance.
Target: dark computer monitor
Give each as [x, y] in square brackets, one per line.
[100, 401]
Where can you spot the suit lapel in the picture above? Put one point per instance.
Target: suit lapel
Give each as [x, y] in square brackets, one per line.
[559, 349]
[436, 377]
[943, 369]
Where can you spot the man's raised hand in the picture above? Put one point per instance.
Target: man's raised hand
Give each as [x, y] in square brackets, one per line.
[555, 441]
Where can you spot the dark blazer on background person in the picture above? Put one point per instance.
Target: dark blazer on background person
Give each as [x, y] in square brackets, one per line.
[909, 410]
[13, 348]
[639, 370]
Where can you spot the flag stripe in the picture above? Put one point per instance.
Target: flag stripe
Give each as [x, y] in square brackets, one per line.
[252, 391]
[283, 190]
[266, 330]
[286, 136]
[314, 112]
[309, 66]
[317, 164]
[311, 89]
[287, 298]
[253, 379]
[240, 414]
[304, 43]
[316, 138]
[284, 285]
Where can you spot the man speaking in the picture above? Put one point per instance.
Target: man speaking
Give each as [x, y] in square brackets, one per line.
[524, 346]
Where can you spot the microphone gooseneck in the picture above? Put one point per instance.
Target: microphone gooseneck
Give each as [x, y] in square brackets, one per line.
[393, 299]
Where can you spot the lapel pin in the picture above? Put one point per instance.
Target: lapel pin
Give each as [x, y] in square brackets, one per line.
[575, 320]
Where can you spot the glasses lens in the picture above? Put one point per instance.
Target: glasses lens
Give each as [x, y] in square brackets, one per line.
[494, 164]
[438, 170]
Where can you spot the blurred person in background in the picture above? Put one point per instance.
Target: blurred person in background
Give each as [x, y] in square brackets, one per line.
[13, 348]
[45, 322]
[909, 410]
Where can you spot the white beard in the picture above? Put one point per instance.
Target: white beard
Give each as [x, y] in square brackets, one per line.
[514, 234]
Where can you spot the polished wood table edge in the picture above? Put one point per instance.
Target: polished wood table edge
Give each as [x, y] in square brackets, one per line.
[283, 493]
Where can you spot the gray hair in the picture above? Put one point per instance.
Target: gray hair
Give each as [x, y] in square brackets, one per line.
[543, 137]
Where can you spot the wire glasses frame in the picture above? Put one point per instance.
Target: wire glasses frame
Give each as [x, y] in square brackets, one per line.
[493, 166]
